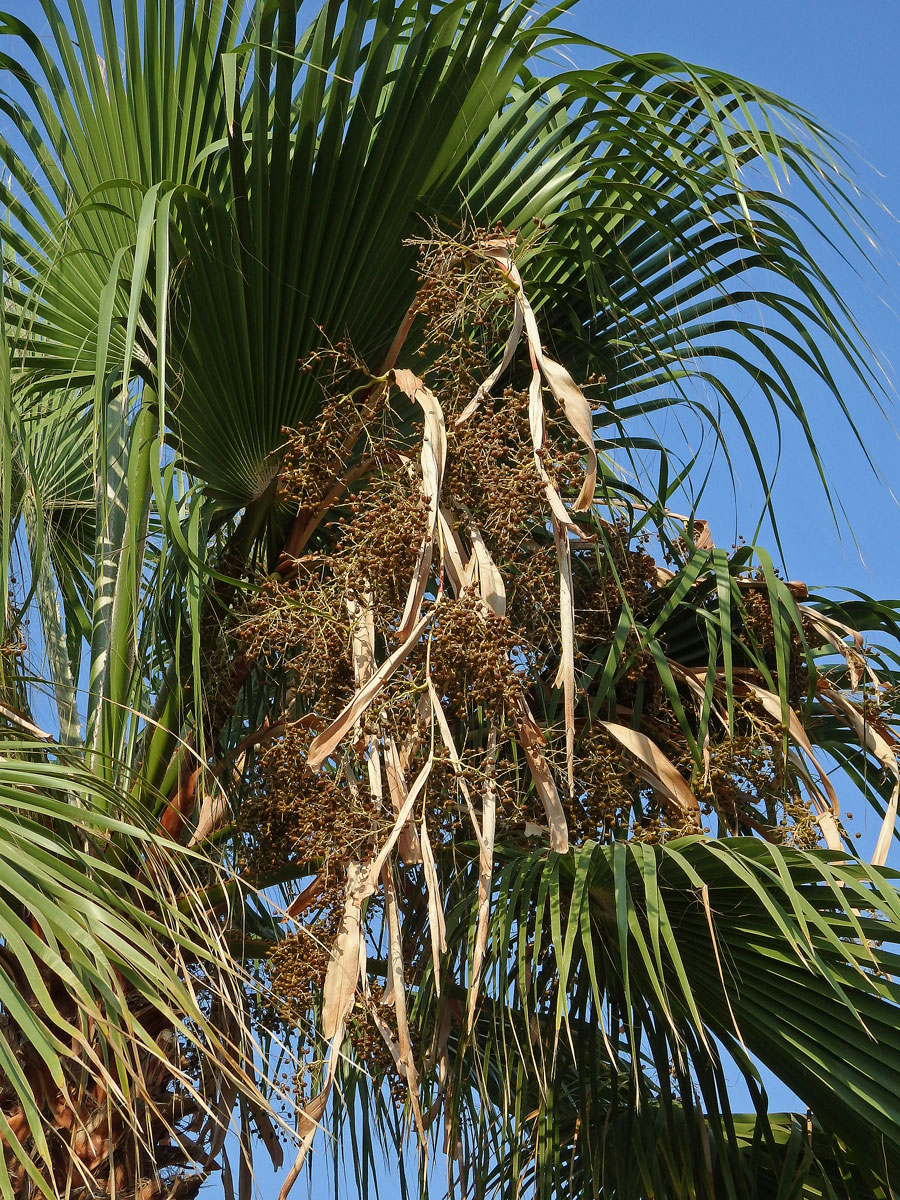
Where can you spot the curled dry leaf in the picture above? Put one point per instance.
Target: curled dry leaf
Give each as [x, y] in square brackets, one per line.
[450, 746]
[408, 841]
[342, 975]
[566, 674]
[306, 897]
[339, 993]
[772, 705]
[363, 655]
[875, 740]
[417, 587]
[657, 769]
[458, 564]
[434, 461]
[561, 384]
[485, 870]
[536, 424]
[490, 581]
[485, 387]
[214, 812]
[402, 818]
[834, 632]
[324, 744]
[405, 1060]
[532, 739]
[702, 536]
[436, 923]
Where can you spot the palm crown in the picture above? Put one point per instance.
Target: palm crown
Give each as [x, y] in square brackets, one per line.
[334, 353]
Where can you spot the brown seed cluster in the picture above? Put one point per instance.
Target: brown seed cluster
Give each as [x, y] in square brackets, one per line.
[296, 815]
[302, 625]
[380, 536]
[483, 666]
[466, 304]
[477, 659]
[618, 573]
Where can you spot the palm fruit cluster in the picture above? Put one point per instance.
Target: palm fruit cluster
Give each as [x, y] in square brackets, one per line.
[356, 477]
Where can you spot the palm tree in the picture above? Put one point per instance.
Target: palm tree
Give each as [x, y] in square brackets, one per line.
[412, 763]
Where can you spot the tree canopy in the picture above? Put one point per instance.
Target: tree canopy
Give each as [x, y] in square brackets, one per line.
[383, 747]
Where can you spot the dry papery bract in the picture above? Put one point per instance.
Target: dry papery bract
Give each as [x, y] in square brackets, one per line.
[422, 633]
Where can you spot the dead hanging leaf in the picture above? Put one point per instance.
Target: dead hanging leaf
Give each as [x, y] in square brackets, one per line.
[434, 439]
[324, 744]
[824, 816]
[657, 769]
[772, 705]
[532, 739]
[342, 975]
[339, 993]
[418, 585]
[834, 632]
[405, 1060]
[437, 1053]
[307, 1126]
[308, 896]
[701, 535]
[490, 581]
[447, 738]
[566, 674]
[873, 739]
[694, 678]
[436, 924]
[536, 424]
[578, 414]
[561, 384]
[454, 558]
[268, 1135]
[362, 635]
[577, 410]
[402, 818]
[363, 656]
[408, 841]
[433, 459]
[485, 870]
[215, 810]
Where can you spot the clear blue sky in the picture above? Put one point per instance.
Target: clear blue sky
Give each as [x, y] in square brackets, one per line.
[839, 60]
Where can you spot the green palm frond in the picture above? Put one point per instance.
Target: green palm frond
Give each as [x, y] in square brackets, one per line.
[113, 979]
[666, 962]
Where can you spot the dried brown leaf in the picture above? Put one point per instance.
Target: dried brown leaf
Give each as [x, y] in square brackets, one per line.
[308, 896]
[405, 1062]
[532, 739]
[408, 840]
[566, 674]
[324, 744]
[490, 581]
[657, 769]
[772, 705]
[485, 870]
[436, 923]
[873, 739]
[342, 975]
[485, 387]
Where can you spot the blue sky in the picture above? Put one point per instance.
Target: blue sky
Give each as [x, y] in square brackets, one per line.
[839, 60]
